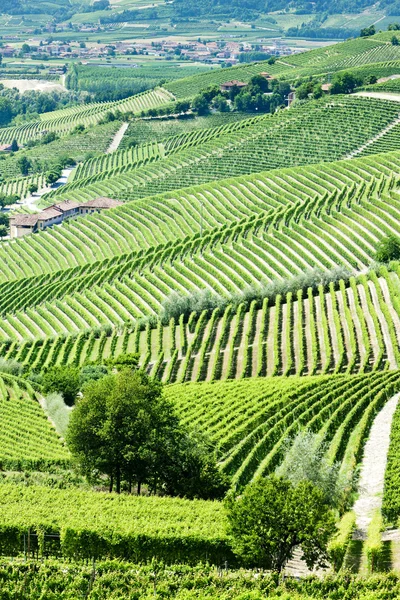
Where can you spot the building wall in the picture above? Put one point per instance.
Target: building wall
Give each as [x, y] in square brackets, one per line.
[18, 232]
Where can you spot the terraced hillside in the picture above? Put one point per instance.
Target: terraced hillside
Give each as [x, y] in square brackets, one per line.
[353, 327]
[248, 422]
[27, 440]
[343, 56]
[120, 265]
[64, 121]
[323, 131]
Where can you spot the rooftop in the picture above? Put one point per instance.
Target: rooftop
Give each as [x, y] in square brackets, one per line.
[102, 203]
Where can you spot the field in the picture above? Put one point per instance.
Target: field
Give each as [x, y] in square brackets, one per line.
[241, 268]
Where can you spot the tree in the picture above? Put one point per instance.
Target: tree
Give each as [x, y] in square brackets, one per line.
[388, 249]
[122, 427]
[24, 164]
[200, 105]
[14, 146]
[182, 106]
[33, 188]
[260, 82]
[64, 380]
[272, 517]
[5, 111]
[4, 219]
[3, 231]
[25, 49]
[344, 83]
[193, 473]
[305, 460]
[395, 41]
[367, 31]
[220, 103]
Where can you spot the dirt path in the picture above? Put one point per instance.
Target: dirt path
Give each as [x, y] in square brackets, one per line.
[32, 200]
[308, 337]
[377, 137]
[38, 85]
[373, 468]
[380, 95]
[384, 326]
[117, 139]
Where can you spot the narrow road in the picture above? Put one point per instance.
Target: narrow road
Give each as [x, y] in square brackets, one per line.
[32, 200]
[117, 139]
[380, 95]
[373, 468]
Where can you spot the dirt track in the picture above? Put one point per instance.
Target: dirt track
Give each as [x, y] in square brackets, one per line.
[38, 85]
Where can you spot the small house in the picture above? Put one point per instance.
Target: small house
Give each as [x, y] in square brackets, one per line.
[228, 85]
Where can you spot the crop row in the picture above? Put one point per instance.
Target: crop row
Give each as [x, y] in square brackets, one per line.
[115, 267]
[349, 328]
[248, 423]
[65, 120]
[284, 140]
[27, 439]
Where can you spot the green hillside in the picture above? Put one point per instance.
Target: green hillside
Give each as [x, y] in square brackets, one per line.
[240, 270]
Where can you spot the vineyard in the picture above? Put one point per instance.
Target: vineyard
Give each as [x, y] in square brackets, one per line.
[27, 440]
[355, 328]
[343, 56]
[240, 270]
[248, 422]
[64, 121]
[292, 220]
[76, 148]
[251, 145]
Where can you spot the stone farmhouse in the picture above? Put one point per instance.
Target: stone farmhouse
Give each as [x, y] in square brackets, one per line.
[24, 224]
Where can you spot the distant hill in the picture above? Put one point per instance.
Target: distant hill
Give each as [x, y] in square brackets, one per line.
[243, 8]
[61, 9]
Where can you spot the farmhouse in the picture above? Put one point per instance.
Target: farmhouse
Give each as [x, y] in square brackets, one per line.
[23, 224]
[226, 87]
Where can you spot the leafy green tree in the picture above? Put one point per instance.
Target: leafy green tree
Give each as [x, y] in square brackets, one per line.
[33, 188]
[200, 105]
[182, 106]
[260, 82]
[24, 164]
[92, 373]
[344, 83]
[305, 460]
[220, 103]
[4, 219]
[122, 427]
[3, 231]
[317, 91]
[64, 380]
[5, 111]
[388, 249]
[304, 90]
[193, 472]
[272, 517]
[14, 146]
[395, 41]
[367, 31]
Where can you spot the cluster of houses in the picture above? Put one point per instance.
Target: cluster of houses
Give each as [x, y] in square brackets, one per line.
[212, 52]
[24, 224]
